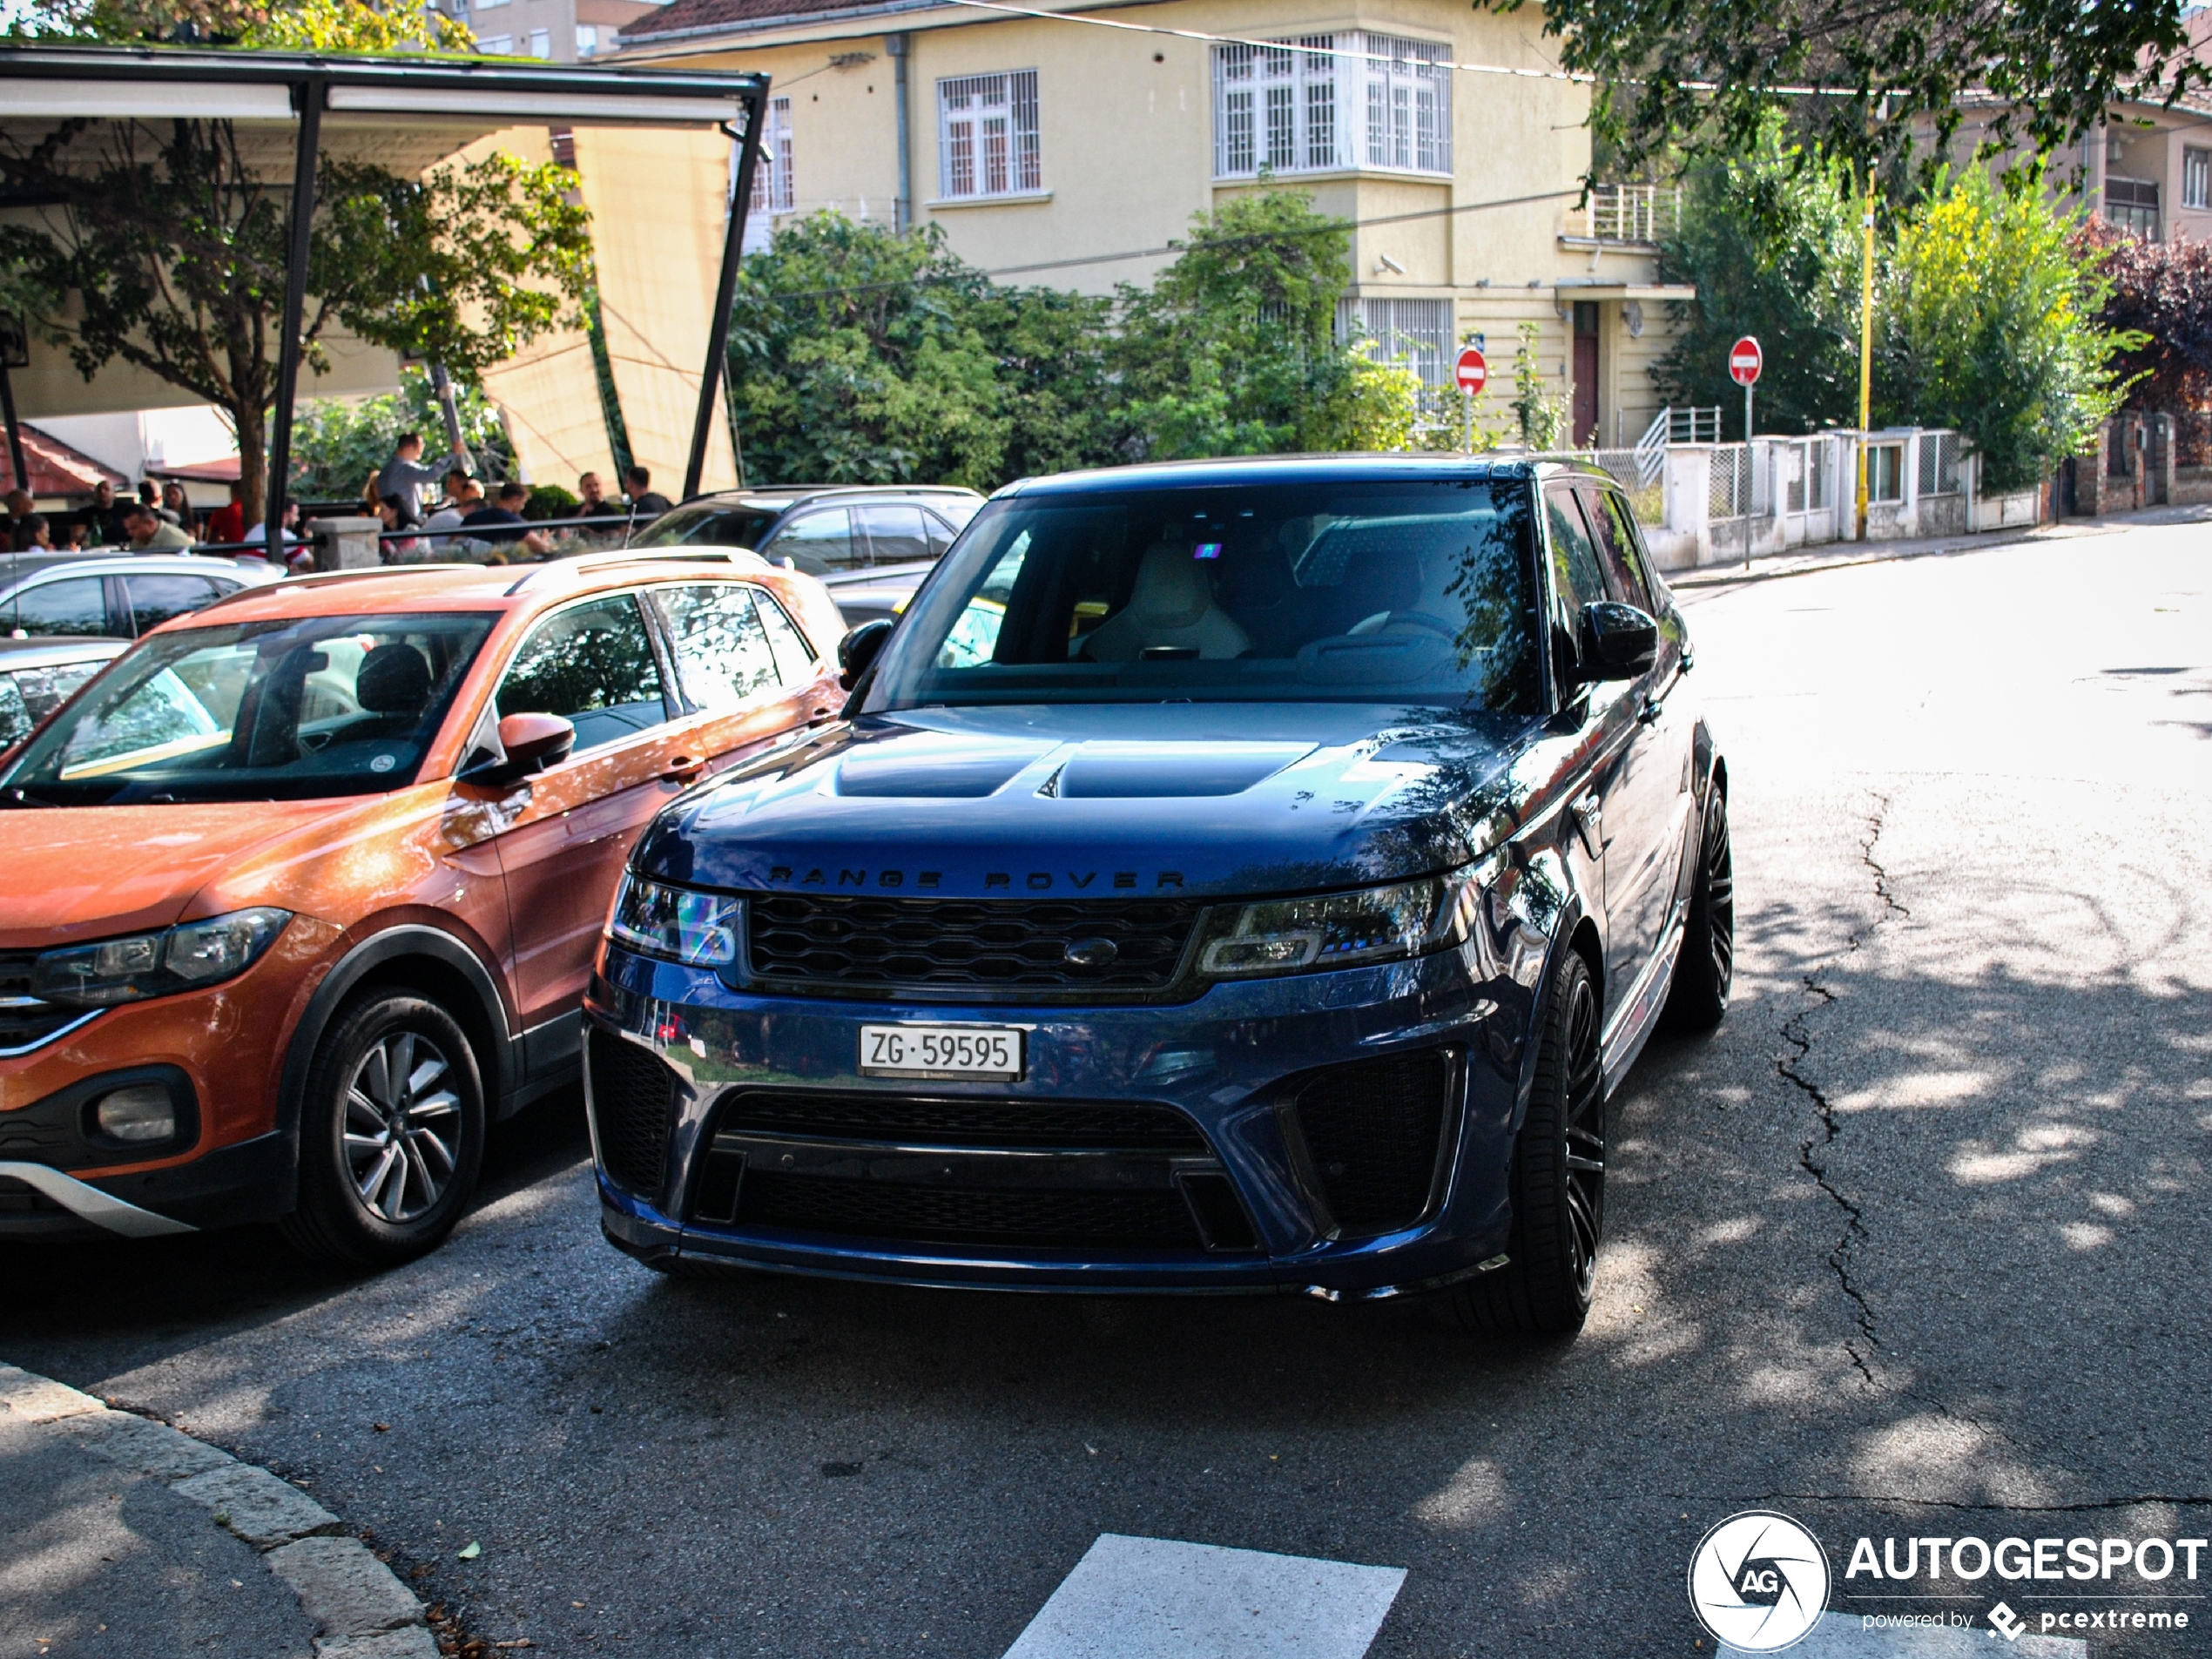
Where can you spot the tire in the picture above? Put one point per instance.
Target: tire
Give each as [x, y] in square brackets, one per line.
[1558, 1180]
[391, 1134]
[1706, 967]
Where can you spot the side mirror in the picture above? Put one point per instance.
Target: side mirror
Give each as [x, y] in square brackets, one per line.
[858, 651]
[1619, 642]
[531, 742]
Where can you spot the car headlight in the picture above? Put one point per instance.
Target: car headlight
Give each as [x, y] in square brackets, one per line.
[181, 958]
[1344, 929]
[699, 930]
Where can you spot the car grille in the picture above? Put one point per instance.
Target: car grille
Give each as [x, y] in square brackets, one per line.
[24, 1019]
[882, 1210]
[1015, 947]
[1374, 1131]
[633, 1105]
[1166, 1192]
[21, 1198]
[963, 1123]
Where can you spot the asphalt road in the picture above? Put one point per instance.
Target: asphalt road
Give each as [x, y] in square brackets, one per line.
[1914, 1246]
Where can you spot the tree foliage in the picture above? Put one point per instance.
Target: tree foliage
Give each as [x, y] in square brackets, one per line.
[170, 245]
[1771, 240]
[1536, 409]
[2160, 297]
[1991, 319]
[298, 25]
[1708, 75]
[860, 356]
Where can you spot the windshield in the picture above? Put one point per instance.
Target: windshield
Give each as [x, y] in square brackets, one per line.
[265, 710]
[1339, 592]
[705, 524]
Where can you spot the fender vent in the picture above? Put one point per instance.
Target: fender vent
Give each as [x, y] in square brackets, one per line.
[633, 1103]
[1374, 1132]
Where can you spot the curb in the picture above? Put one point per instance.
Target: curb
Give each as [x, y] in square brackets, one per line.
[362, 1608]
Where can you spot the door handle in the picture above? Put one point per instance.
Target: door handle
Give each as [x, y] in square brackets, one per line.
[1653, 708]
[1589, 818]
[682, 770]
[821, 717]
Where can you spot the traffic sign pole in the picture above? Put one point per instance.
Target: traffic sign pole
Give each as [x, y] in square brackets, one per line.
[1471, 372]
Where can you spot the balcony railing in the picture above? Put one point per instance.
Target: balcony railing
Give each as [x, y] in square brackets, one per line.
[1627, 213]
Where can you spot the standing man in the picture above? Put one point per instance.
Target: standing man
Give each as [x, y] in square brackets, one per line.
[227, 522]
[645, 502]
[107, 516]
[593, 503]
[406, 475]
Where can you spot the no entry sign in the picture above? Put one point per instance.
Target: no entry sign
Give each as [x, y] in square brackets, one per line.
[1744, 361]
[1472, 372]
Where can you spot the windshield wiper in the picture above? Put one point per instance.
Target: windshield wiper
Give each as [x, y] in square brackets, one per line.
[22, 798]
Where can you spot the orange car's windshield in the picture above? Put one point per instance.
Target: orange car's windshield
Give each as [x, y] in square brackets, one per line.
[267, 711]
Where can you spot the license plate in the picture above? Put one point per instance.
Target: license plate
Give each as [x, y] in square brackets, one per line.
[941, 1051]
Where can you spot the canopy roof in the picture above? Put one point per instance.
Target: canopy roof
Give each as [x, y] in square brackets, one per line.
[403, 113]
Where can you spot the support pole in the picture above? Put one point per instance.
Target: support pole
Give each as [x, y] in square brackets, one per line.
[310, 94]
[902, 217]
[1866, 341]
[441, 383]
[725, 291]
[15, 429]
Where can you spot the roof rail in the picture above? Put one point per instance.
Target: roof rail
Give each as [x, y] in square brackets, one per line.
[744, 556]
[324, 578]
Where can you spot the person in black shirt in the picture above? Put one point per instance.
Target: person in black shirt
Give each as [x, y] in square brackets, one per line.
[503, 523]
[591, 499]
[645, 502]
[107, 516]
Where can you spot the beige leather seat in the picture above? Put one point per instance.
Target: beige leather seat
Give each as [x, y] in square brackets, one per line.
[1171, 605]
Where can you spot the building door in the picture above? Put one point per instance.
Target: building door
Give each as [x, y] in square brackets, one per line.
[1585, 374]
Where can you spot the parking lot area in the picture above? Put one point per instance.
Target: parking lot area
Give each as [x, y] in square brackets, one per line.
[1910, 1246]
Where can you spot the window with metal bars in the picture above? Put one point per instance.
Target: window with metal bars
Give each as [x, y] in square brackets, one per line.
[1320, 102]
[987, 136]
[1417, 333]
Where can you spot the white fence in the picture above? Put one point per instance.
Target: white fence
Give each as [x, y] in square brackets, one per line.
[1723, 502]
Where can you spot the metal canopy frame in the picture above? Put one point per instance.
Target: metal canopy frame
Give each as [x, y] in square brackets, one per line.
[108, 82]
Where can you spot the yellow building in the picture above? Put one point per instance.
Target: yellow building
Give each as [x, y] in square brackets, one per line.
[1072, 148]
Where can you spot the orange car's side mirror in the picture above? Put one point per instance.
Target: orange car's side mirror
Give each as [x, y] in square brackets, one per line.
[532, 742]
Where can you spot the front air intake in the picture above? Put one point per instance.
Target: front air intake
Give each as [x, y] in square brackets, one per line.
[633, 1107]
[1374, 1132]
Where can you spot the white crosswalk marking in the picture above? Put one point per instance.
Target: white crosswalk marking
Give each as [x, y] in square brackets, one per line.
[1844, 1635]
[1154, 1598]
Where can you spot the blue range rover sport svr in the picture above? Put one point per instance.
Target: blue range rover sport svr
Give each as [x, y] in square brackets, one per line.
[1226, 876]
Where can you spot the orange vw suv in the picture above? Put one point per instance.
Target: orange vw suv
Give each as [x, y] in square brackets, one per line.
[303, 891]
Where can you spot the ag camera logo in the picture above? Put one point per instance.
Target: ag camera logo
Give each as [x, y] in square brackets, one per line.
[1759, 1582]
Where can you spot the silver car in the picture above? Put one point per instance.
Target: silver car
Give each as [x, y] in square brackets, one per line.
[118, 595]
[39, 675]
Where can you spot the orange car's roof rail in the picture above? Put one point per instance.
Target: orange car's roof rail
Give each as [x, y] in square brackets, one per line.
[744, 556]
[324, 578]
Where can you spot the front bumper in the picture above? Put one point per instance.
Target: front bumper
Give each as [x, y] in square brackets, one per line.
[1228, 1062]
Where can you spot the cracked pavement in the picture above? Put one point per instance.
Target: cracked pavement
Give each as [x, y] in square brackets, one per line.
[1915, 1234]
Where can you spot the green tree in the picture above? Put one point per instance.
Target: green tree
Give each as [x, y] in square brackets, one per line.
[1536, 407]
[1991, 319]
[298, 25]
[171, 244]
[1233, 350]
[1710, 76]
[860, 356]
[1771, 240]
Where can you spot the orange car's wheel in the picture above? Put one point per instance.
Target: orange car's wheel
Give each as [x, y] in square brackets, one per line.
[391, 1133]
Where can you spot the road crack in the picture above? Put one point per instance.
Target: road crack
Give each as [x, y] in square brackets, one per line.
[1789, 1066]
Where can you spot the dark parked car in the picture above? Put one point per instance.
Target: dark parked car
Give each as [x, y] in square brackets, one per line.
[871, 545]
[39, 675]
[121, 594]
[1241, 875]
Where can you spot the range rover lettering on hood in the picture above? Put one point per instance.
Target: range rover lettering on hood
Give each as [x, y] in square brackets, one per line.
[1007, 880]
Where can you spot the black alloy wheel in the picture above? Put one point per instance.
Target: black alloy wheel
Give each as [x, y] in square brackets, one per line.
[1558, 1180]
[1706, 967]
[391, 1133]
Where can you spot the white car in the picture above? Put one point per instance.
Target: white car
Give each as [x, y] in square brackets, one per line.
[114, 595]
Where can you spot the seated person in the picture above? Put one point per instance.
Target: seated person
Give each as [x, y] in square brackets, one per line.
[503, 524]
[1171, 609]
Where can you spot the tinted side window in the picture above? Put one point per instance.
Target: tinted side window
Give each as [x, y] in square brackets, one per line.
[939, 533]
[1575, 566]
[1616, 546]
[794, 656]
[722, 654]
[592, 664]
[818, 544]
[896, 534]
[78, 605]
[155, 599]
